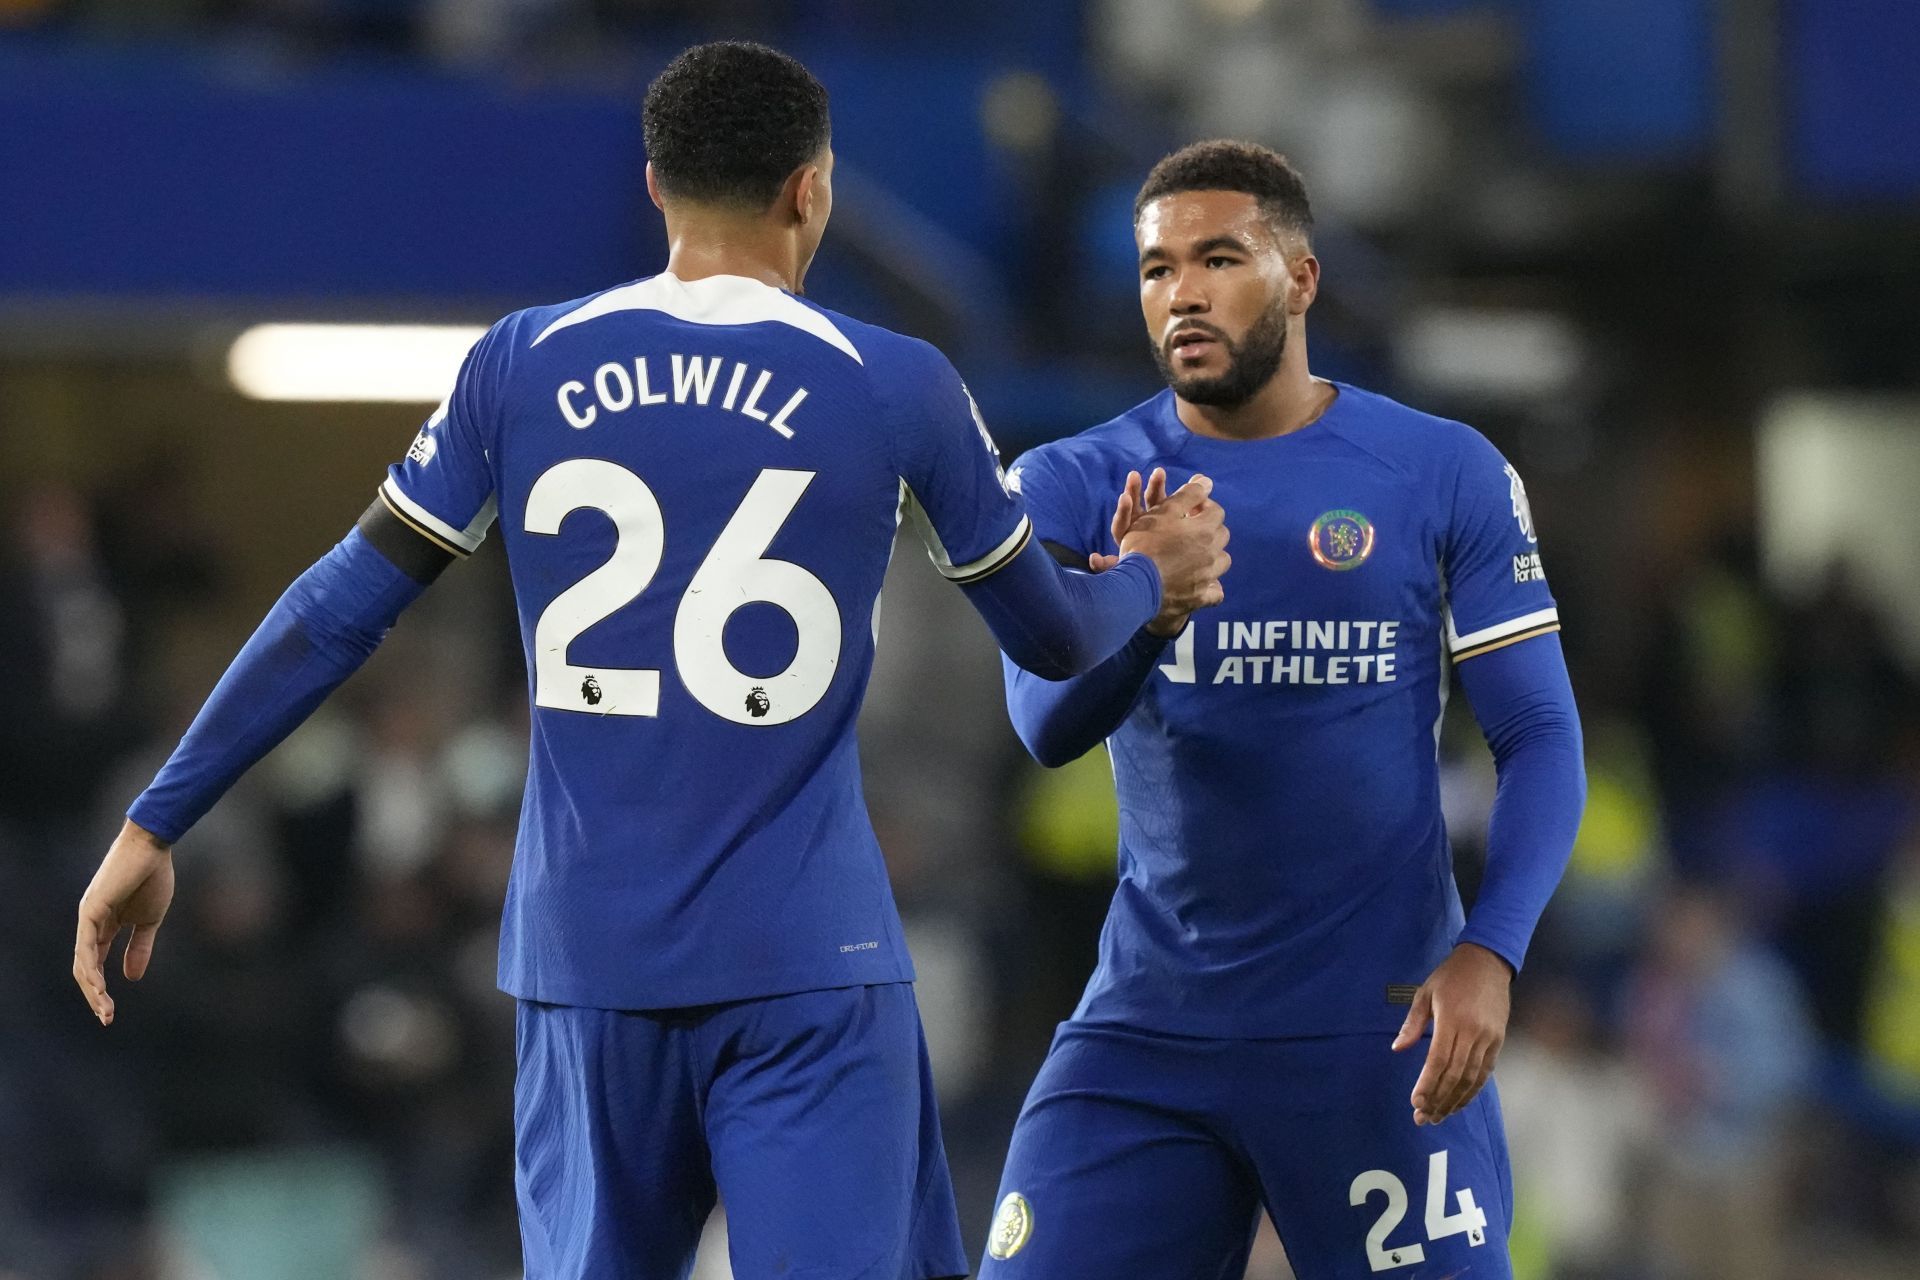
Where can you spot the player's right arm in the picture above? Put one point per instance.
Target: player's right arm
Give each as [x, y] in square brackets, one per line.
[1049, 621]
[1060, 721]
[432, 508]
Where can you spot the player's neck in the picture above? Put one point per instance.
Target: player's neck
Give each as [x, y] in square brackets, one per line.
[1293, 398]
[735, 249]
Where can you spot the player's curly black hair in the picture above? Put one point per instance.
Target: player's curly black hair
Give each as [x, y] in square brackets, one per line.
[727, 122]
[1225, 165]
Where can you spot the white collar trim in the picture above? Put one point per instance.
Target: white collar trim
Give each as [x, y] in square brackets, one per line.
[716, 300]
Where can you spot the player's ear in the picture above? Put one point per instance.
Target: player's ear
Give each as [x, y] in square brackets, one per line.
[802, 194]
[1304, 270]
[653, 188]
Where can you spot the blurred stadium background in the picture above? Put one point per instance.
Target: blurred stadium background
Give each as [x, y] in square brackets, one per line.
[1665, 252]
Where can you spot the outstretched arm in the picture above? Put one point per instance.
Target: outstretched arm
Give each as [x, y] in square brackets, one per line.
[1052, 623]
[320, 632]
[1062, 720]
[1056, 622]
[980, 528]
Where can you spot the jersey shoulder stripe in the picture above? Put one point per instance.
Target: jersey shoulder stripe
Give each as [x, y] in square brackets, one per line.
[461, 542]
[973, 570]
[1501, 634]
[994, 561]
[1504, 641]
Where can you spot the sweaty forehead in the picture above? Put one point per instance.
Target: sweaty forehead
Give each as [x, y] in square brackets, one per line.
[1181, 219]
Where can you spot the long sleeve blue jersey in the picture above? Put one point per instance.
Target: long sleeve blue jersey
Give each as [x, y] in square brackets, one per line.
[1284, 866]
[698, 486]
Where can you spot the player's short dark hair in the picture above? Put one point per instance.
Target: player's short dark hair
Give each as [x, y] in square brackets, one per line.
[727, 122]
[1224, 165]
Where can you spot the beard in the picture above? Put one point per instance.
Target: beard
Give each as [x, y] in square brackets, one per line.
[1251, 362]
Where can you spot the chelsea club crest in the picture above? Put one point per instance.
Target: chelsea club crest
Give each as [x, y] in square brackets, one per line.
[1012, 1226]
[1341, 539]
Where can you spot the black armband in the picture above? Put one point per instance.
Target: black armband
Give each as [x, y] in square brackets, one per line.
[1064, 554]
[411, 552]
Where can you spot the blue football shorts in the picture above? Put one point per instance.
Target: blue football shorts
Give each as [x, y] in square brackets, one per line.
[1140, 1154]
[810, 1116]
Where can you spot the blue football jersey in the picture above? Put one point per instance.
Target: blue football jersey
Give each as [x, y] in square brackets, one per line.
[1284, 868]
[698, 484]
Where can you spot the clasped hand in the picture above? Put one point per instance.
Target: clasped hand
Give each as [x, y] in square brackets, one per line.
[1184, 533]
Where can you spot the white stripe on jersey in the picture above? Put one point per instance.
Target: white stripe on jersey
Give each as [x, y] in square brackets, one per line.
[937, 550]
[1512, 626]
[467, 539]
[710, 300]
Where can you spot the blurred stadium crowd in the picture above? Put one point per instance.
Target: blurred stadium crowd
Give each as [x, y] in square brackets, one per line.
[1715, 1063]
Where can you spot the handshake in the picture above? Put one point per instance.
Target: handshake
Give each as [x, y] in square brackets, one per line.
[1184, 533]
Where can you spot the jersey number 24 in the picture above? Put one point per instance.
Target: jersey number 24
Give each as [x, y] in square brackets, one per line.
[1470, 1220]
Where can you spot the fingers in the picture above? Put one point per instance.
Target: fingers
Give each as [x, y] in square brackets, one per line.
[1456, 1085]
[139, 952]
[92, 939]
[1137, 500]
[1126, 506]
[1415, 1025]
[1478, 1070]
[1445, 1097]
[1458, 1081]
[1209, 516]
[1426, 1089]
[1185, 534]
[1192, 496]
[1214, 593]
[1156, 488]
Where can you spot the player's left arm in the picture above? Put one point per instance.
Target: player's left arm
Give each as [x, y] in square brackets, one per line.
[320, 631]
[1524, 702]
[433, 508]
[1502, 625]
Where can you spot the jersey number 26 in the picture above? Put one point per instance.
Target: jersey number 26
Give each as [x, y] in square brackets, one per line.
[736, 572]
